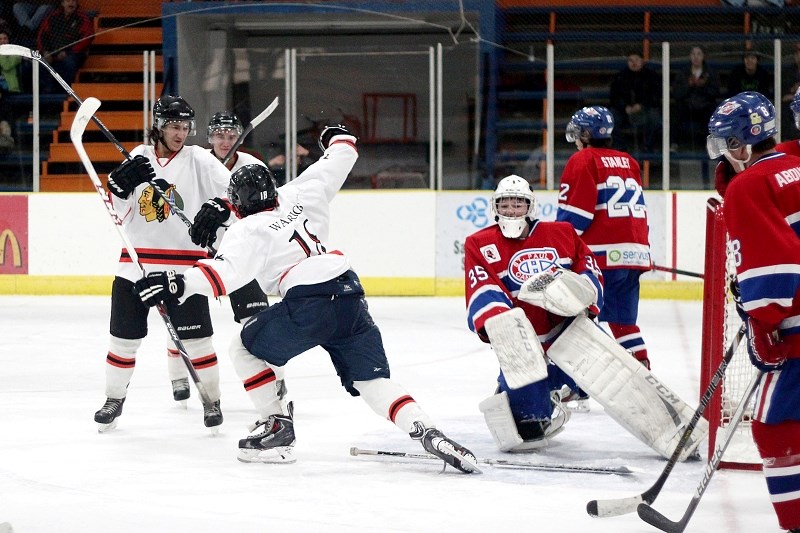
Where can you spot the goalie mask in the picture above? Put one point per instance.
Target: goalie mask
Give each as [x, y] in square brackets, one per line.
[224, 120]
[742, 120]
[170, 108]
[252, 189]
[513, 206]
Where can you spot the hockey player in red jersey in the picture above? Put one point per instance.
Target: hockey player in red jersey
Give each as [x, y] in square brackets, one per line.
[762, 214]
[600, 195]
[498, 261]
[281, 240]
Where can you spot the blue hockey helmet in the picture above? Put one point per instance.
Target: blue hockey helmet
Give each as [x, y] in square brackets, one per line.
[742, 120]
[795, 107]
[595, 122]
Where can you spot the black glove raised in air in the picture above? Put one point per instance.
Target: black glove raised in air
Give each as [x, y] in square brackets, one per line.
[329, 132]
[212, 215]
[160, 287]
[132, 172]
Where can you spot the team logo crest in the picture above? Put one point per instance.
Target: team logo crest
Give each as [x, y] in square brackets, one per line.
[728, 108]
[152, 206]
[490, 253]
[526, 263]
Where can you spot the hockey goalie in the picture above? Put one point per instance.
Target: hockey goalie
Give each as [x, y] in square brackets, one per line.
[532, 290]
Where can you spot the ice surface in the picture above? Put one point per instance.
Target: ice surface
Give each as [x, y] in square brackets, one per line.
[160, 470]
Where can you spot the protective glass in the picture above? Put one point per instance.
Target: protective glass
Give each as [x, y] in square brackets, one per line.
[717, 146]
[161, 123]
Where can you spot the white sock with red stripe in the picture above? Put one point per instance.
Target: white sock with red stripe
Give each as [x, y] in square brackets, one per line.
[390, 400]
[204, 360]
[259, 379]
[120, 361]
[176, 368]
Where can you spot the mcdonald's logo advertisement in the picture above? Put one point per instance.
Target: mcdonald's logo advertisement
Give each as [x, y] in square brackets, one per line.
[13, 234]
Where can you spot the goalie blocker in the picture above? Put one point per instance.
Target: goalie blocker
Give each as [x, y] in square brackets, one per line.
[632, 395]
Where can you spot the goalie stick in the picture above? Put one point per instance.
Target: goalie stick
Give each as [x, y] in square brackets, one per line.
[82, 116]
[656, 519]
[551, 467]
[250, 127]
[620, 506]
[17, 50]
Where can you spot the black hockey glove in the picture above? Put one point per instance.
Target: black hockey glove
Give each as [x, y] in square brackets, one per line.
[132, 172]
[247, 301]
[212, 215]
[160, 287]
[329, 132]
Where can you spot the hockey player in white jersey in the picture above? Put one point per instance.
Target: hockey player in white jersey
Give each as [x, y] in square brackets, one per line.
[224, 129]
[188, 175]
[282, 241]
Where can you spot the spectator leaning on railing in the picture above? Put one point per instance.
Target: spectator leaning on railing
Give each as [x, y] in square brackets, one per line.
[9, 83]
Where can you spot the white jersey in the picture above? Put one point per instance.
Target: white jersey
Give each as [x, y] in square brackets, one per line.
[242, 159]
[162, 242]
[285, 246]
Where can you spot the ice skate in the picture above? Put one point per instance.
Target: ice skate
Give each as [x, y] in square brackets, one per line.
[180, 391]
[212, 416]
[445, 449]
[574, 400]
[106, 417]
[272, 441]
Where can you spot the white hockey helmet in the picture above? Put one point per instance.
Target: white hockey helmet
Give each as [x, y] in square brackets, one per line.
[513, 186]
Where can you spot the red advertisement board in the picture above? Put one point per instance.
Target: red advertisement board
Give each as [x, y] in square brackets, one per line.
[13, 234]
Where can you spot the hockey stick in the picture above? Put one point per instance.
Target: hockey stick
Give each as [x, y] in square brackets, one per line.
[656, 519]
[82, 117]
[620, 506]
[618, 470]
[677, 271]
[17, 50]
[250, 127]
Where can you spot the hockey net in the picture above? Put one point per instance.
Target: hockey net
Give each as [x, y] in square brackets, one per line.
[721, 323]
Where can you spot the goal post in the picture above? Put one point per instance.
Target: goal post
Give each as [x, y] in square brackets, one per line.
[720, 325]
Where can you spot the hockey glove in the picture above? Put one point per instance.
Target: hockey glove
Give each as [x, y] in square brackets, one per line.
[132, 172]
[212, 215]
[160, 287]
[723, 175]
[767, 350]
[247, 301]
[329, 133]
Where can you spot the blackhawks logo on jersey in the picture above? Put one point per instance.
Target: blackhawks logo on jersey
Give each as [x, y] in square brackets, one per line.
[526, 263]
[152, 205]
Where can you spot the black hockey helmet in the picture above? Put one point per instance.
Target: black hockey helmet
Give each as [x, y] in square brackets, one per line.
[252, 189]
[171, 108]
[224, 120]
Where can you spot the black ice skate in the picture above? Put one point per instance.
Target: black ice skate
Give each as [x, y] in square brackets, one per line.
[445, 449]
[180, 390]
[212, 415]
[271, 441]
[107, 415]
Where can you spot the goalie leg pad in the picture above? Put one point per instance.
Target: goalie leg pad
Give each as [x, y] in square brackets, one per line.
[564, 293]
[517, 348]
[497, 412]
[632, 395]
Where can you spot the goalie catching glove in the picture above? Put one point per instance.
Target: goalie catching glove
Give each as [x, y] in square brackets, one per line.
[212, 215]
[130, 174]
[160, 287]
[562, 292]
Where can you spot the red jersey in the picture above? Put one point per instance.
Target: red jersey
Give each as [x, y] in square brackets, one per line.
[789, 147]
[495, 267]
[762, 213]
[601, 197]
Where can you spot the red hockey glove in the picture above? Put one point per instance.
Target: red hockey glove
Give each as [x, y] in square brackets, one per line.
[767, 351]
[723, 175]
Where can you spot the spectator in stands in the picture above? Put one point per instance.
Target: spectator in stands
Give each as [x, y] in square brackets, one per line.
[64, 38]
[9, 84]
[29, 15]
[636, 102]
[277, 164]
[696, 91]
[750, 76]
